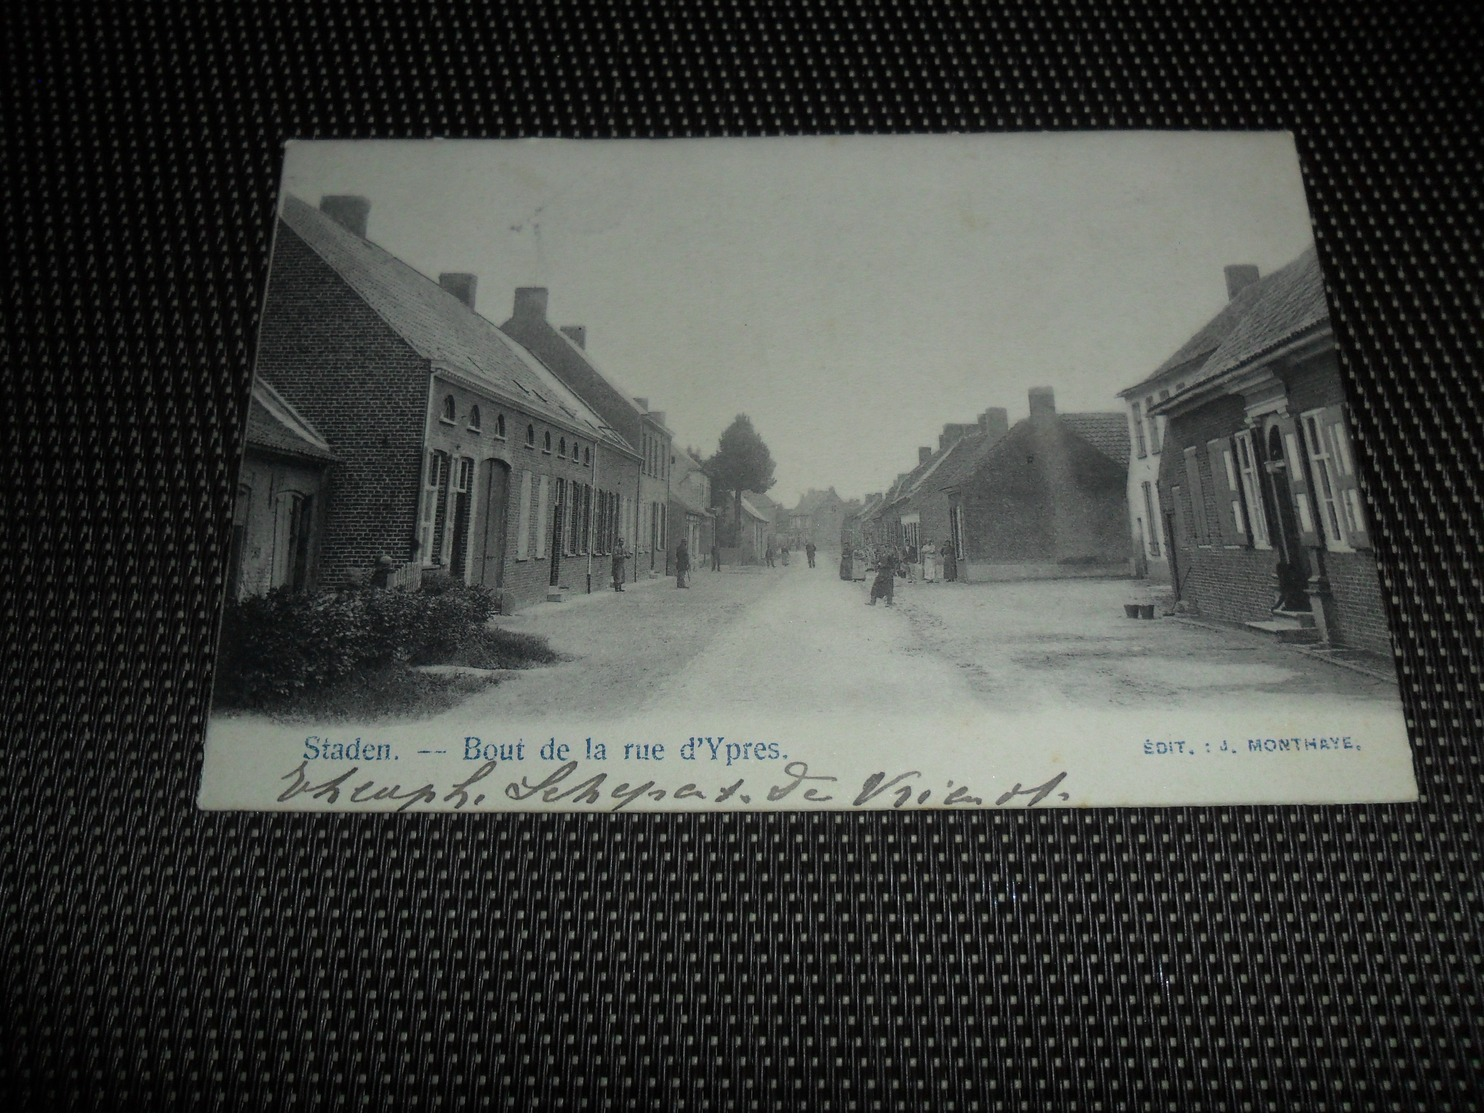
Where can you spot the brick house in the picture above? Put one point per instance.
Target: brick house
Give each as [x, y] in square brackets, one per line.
[455, 448]
[818, 518]
[1149, 529]
[1260, 480]
[646, 527]
[278, 516]
[1046, 499]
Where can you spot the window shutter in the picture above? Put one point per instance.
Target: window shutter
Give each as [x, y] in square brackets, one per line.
[1199, 527]
[1337, 430]
[1297, 472]
[1226, 492]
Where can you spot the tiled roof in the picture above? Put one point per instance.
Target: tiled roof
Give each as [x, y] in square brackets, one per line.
[1266, 313]
[1106, 430]
[272, 424]
[1289, 303]
[751, 510]
[439, 326]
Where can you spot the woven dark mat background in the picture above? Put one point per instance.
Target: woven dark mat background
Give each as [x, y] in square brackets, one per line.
[156, 956]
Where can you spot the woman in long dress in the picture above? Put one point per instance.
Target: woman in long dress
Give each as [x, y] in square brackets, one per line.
[950, 563]
[929, 562]
[619, 555]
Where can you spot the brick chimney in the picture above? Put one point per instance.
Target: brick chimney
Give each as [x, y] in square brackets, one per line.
[1239, 277]
[642, 402]
[658, 417]
[461, 285]
[578, 334]
[952, 432]
[530, 304]
[1043, 404]
[350, 211]
[995, 422]
[923, 454]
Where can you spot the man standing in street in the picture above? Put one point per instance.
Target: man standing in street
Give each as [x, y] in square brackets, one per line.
[682, 566]
[809, 550]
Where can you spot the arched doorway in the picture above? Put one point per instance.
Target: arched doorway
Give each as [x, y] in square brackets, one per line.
[1292, 573]
[491, 529]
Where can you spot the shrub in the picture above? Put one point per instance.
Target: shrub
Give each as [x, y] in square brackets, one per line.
[282, 644]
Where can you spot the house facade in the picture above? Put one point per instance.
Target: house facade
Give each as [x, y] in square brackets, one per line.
[454, 448]
[645, 526]
[278, 516]
[1150, 530]
[691, 515]
[1259, 476]
[1045, 500]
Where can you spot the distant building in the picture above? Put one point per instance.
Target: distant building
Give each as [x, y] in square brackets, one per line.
[817, 518]
[646, 525]
[454, 448]
[279, 513]
[1259, 476]
[691, 514]
[756, 533]
[1045, 500]
[1151, 531]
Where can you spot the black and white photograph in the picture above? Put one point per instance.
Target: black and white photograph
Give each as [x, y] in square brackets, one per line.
[769, 474]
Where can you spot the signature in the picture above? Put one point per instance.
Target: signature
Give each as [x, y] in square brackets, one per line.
[569, 783]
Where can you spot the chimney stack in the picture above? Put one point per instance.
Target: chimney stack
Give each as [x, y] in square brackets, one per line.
[578, 334]
[350, 211]
[461, 285]
[995, 422]
[530, 303]
[1238, 278]
[642, 402]
[658, 417]
[924, 453]
[1043, 403]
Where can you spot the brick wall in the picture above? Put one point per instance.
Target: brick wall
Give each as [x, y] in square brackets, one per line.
[364, 389]
[1359, 616]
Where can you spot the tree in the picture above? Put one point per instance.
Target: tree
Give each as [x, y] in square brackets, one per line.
[741, 462]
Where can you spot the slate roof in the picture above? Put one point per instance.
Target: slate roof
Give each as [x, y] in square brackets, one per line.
[1106, 430]
[439, 326]
[273, 424]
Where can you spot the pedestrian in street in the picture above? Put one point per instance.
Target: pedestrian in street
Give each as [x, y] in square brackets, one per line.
[716, 556]
[809, 550]
[619, 557]
[770, 553]
[785, 554]
[682, 566]
[929, 562]
[884, 587]
[950, 562]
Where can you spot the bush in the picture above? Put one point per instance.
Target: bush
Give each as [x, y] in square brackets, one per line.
[282, 644]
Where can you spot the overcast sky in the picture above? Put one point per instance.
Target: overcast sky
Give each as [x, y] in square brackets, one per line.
[851, 295]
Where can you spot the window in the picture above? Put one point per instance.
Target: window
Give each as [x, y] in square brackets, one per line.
[1149, 518]
[562, 448]
[474, 418]
[499, 426]
[1137, 413]
[456, 538]
[575, 455]
[531, 437]
[1156, 426]
[427, 524]
[523, 517]
[450, 410]
[543, 510]
[292, 522]
[587, 455]
[1251, 479]
[1233, 488]
[546, 443]
[1333, 479]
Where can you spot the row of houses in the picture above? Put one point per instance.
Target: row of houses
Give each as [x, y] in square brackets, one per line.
[394, 430]
[1042, 498]
[1244, 495]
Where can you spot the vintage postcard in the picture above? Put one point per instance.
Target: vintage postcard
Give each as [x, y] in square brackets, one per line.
[956, 472]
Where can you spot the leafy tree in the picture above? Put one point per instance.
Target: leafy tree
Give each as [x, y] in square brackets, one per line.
[741, 462]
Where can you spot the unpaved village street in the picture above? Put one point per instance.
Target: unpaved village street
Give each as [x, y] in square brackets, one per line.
[800, 640]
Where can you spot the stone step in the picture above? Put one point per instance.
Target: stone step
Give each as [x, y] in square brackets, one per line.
[1303, 619]
[1285, 631]
[556, 595]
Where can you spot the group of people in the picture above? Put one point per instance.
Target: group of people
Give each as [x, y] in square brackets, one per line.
[621, 555]
[931, 564]
[781, 551]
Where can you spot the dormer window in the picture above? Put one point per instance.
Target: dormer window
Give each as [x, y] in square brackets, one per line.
[474, 418]
[450, 410]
